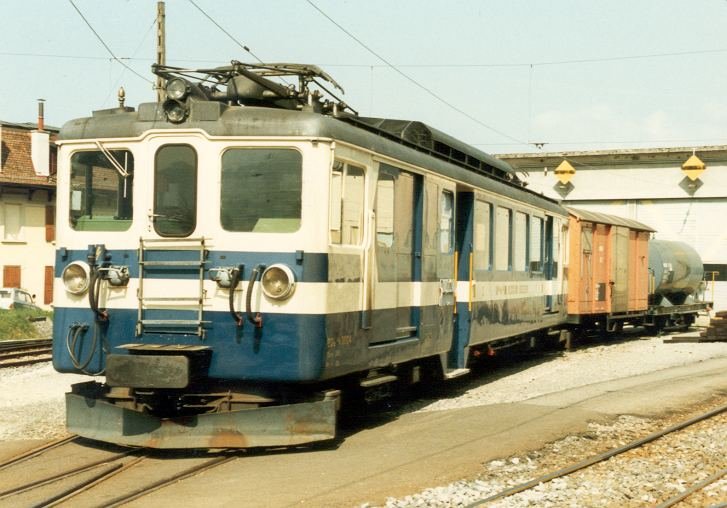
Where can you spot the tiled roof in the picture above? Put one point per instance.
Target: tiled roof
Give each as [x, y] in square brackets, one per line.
[29, 126]
[16, 166]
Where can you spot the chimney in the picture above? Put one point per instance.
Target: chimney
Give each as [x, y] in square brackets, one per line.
[41, 118]
[40, 144]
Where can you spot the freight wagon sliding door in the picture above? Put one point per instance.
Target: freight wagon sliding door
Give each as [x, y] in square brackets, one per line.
[619, 269]
[594, 295]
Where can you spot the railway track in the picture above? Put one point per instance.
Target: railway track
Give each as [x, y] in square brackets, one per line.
[16, 353]
[633, 445]
[71, 472]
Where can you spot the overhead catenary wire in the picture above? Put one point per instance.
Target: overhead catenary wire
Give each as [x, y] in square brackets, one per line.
[415, 82]
[573, 61]
[121, 75]
[104, 43]
[434, 65]
[243, 46]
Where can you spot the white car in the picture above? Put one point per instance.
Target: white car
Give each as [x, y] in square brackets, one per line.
[15, 298]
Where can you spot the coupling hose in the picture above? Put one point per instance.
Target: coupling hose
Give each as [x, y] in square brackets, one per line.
[234, 281]
[75, 331]
[257, 319]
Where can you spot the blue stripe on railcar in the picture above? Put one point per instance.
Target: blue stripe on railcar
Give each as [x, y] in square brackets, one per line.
[289, 347]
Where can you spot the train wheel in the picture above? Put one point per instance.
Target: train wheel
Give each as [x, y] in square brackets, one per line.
[659, 324]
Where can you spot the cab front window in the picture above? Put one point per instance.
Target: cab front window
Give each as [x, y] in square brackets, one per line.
[261, 190]
[101, 190]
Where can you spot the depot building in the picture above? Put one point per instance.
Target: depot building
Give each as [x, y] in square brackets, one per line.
[679, 192]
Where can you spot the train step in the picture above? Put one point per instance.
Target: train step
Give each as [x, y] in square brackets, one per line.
[451, 374]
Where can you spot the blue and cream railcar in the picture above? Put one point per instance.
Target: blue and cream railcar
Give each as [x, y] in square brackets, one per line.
[229, 258]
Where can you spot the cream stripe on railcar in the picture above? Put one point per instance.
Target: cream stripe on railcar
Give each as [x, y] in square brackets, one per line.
[309, 297]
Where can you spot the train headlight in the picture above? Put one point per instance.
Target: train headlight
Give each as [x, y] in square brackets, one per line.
[76, 277]
[278, 282]
[176, 111]
[177, 89]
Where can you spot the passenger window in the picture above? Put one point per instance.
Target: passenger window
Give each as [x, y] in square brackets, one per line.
[482, 235]
[101, 190]
[175, 190]
[261, 190]
[503, 220]
[385, 210]
[347, 204]
[536, 244]
[520, 236]
[446, 223]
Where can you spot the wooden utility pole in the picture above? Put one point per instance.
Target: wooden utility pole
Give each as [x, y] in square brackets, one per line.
[161, 49]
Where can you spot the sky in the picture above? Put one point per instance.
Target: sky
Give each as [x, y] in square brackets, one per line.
[503, 75]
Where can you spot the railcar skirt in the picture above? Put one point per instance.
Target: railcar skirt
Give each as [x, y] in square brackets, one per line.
[285, 425]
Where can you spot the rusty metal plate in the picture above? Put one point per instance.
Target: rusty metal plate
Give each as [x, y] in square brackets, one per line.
[287, 425]
[148, 371]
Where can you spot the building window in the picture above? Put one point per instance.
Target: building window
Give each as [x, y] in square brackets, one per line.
[53, 160]
[50, 223]
[13, 216]
[48, 286]
[11, 276]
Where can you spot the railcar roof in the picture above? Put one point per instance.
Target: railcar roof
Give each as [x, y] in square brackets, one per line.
[604, 218]
[217, 119]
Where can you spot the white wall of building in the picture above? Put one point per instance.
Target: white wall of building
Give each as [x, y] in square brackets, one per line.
[650, 188]
[23, 239]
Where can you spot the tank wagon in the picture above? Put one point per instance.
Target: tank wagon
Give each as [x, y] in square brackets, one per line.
[676, 285]
[232, 257]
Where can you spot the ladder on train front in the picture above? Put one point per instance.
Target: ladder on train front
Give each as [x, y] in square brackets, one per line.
[171, 259]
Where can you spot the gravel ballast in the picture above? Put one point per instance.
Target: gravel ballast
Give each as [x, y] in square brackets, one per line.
[643, 477]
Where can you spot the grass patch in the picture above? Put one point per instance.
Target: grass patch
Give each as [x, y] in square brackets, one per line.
[16, 324]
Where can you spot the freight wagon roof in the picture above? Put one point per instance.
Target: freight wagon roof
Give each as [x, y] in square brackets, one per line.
[604, 218]
[217, 119]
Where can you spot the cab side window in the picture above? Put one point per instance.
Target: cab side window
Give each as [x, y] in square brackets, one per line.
[346, 210]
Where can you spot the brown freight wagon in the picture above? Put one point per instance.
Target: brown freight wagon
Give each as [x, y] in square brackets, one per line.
[608, 270]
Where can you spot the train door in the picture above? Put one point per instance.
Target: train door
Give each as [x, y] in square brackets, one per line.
[175, 191]
[549, 270]
[586, 285]
[438, 276]
[600, 268]
[397, 232]
[552, 250]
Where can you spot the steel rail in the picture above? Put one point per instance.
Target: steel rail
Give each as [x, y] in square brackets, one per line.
[60, 476]
[6, 345]
[87, 485]
[21, 363]
[143, 491]
[18, 353]
[38, 350]
[694, 488]
[63, 495]
[599, 458]
[36, 451]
